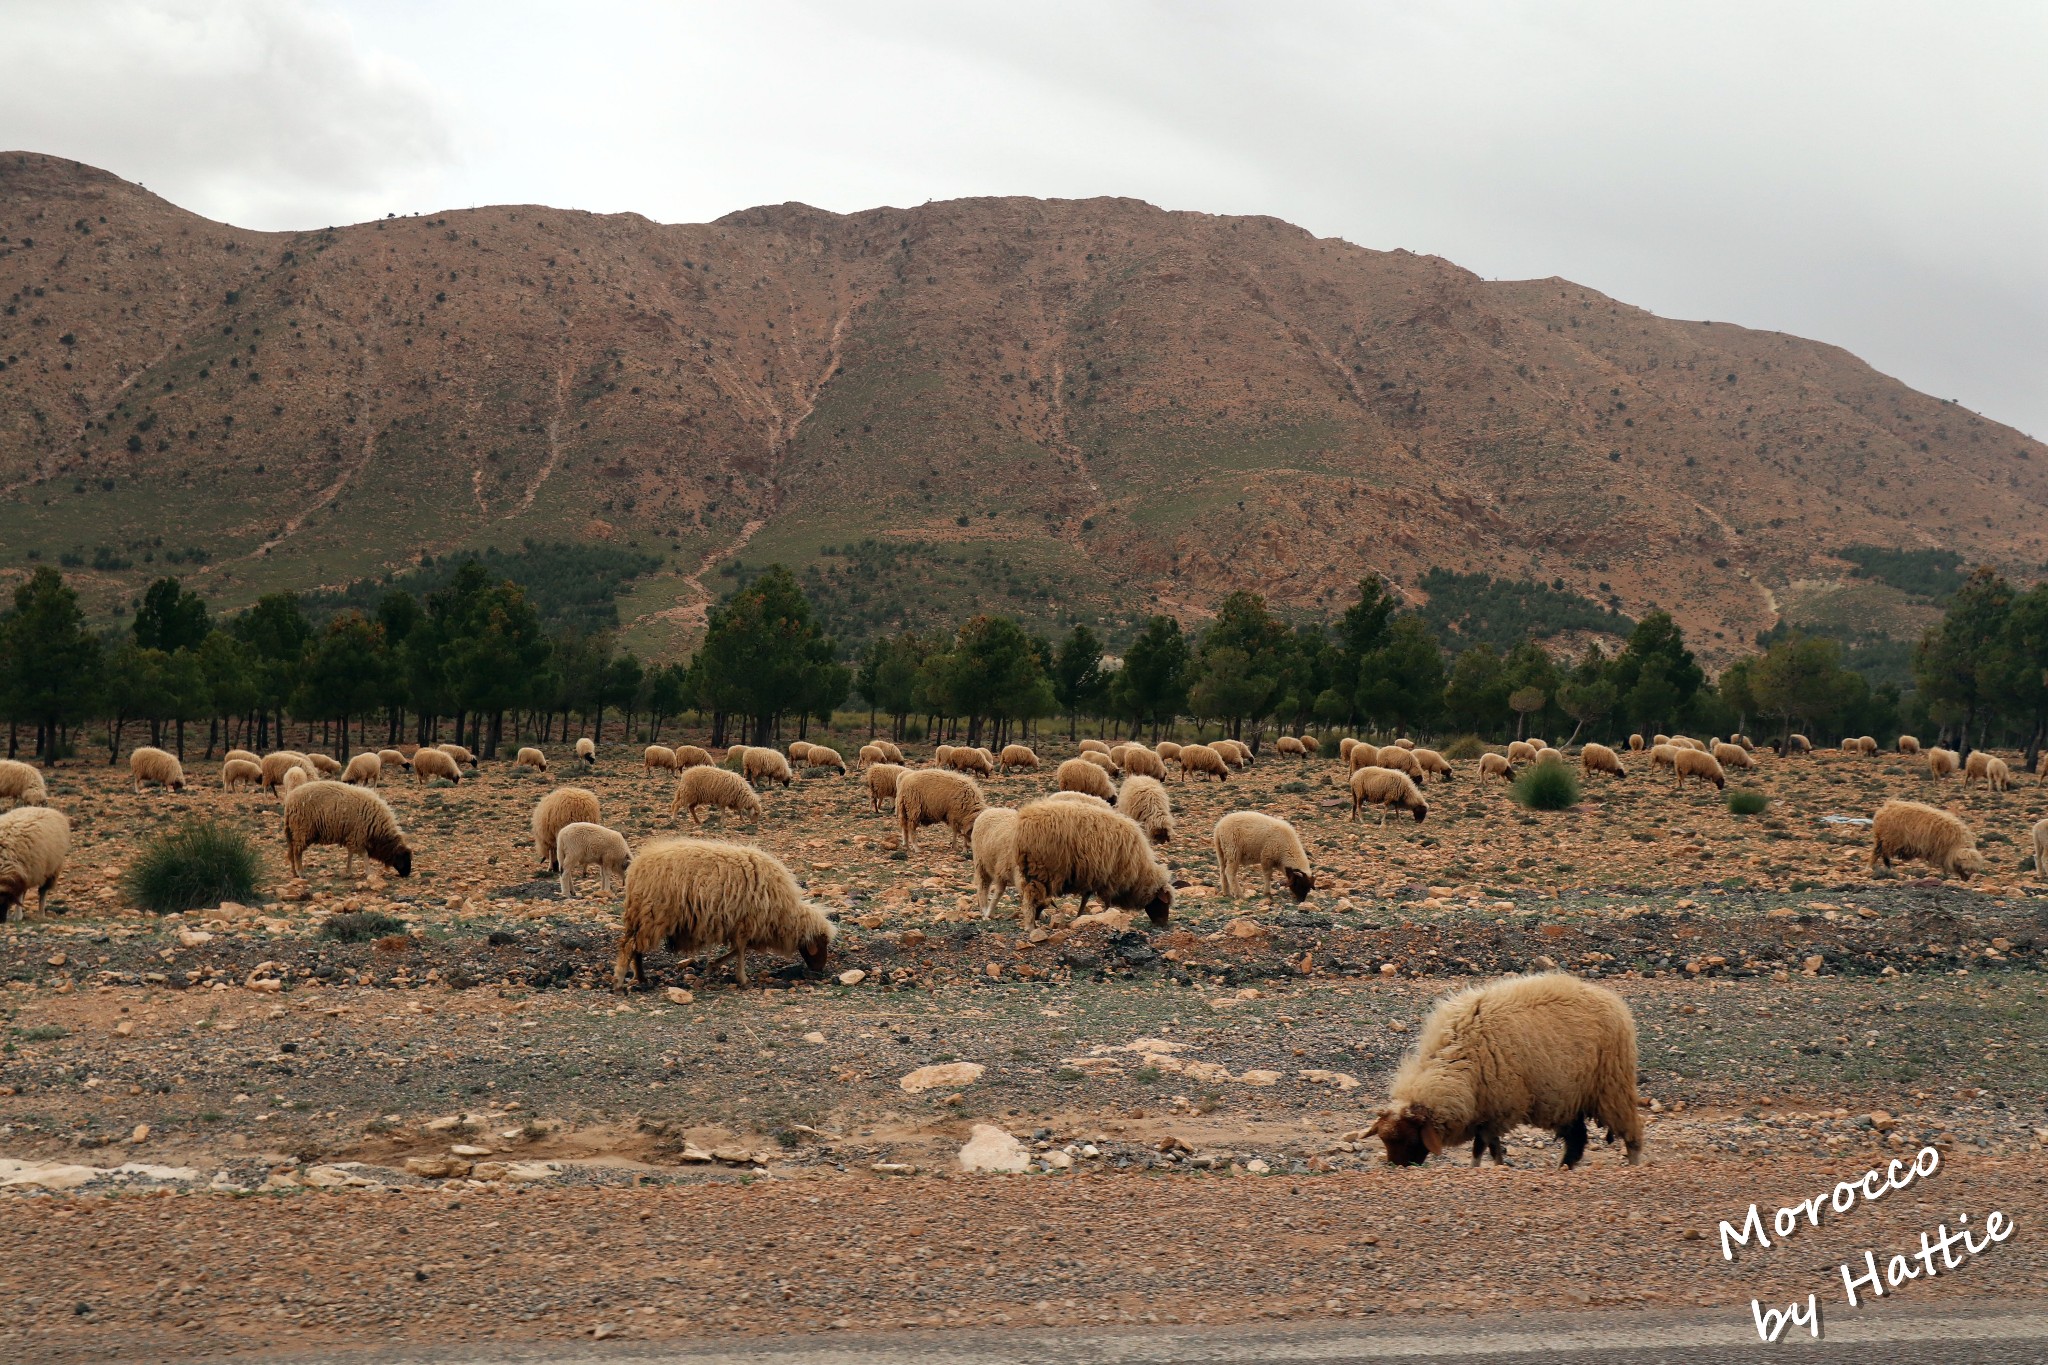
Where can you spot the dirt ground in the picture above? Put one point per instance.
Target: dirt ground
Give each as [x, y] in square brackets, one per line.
[226, 1132]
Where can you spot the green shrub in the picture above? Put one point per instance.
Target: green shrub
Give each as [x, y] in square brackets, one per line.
[360, 926]
[1746, 801]
[1465, 747]
[200, 863]
[1546, 786]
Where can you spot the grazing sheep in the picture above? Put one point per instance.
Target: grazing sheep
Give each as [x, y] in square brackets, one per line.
[820, 756]
[1655, 740]
[1941, 762]
[1693, 763]
[323, 766]
[1140, 761]
[1521, 751]
[353, 818]
[1976, 767]
[1494, 765]
[762, 766]
[1116, 754]
[1066, 847]
[587, 751]
[240, 772]
[657, 756]
[1909, 829]
[1732, 756]
[1687, 742]
[889, 751]
[363, 770]
[1085, 798]
[962, 759]
[2000, 775]
[719, 788]
[1079, 775]
[934, 796]
[1245, 839]
[428, 764]
[1550, 1051]
[295, 779]
[1290, 747]
[1405, 743]
[530, 758]
[1635, 743]
[1389, 790]
[1598, 758]
[581, 846]
[281, 761]
[1853, 747]
[1798, 744]
[1106, 762]
[1429, 762]
[246, 755]
[1144, 800]
[1909, 744]
[2040, 849]
[1866, 745]
[1396, 759]
[1664, 756]
[1546, 754]
[392, 758]
[22, 784]
[1362, 755]
[149, 764]
[1168, 751]
[690, 756]
[690, 894]
[460, 754]
[1345, 746]
[882, 780]
[1234, 753]
[799, 751]
[942, 756]
[1094, 746]
[1310, 743]
[994, 842]
[560, 807]
[34, 843]
[869, 755]
[1200, 758]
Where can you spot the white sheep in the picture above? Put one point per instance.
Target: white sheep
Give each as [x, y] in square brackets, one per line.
[34, 843]
[149, 764]
[582, 845]
[1248, 839]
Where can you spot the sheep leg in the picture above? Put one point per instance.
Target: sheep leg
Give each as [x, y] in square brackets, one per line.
[1574, 1135]
[567, 894]
[627, 964]
[739, 962]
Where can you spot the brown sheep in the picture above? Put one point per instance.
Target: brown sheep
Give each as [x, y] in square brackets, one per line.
[1389, 790]
[1362, 755]
[35, 841]
[352, 818]
[799, 752]
[1428, 762]
[761, 766]
[295, 779]
[1866, 745]
[962, 759]
[882, 780]
[22, 783]
[561, 807]
[427, 764]
[363, 770]
[1396, 759]
[1287, 746]
[1550, 1051]
[1495, 765]
[1521, 751]
[1168, 751]
[1798, 744]
[1664, 756]
[701, 785]
[823, 756]
[1066, 847]
[690, 894]
[889, 751]
[1999, 774]
[1245, 839]
[1311, 743]
[1978, 768]
[1093, 746]
[392, 758]
[1144, 800]
[1106, 762]
[530, 757]
[869, 755]
[994, 842]
[1909, 829]
[281, 761]
[1344, 748]
[1941, 762]
[1079, 775]
[1139, 761]
[323, 766]
[1598, 758]
[1018, 757]
[239, 772]
[246, 755]
[942, 756]
[1235, 752]
[690, 756]
[2040, 849]
[455, 751]
[1200, 758]
[1909, 744]
[934, 796]
[1732, 756]
[149, 764]
[657, 756]
[1693, 763]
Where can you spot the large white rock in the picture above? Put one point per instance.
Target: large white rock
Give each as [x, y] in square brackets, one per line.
[989, 1148]
[942, 1077]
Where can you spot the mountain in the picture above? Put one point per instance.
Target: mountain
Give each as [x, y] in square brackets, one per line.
[1058, 408]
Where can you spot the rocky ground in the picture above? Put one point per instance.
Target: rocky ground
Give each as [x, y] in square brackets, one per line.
[460, 1133]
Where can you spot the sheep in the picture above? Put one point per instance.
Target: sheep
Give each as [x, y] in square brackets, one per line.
[799, 751]
[1066, 847]
[933, 796]
[1429, 762]
[1598, 758]
[277, 763]
[364, 770]
[819, 756]
[1546, 754]
[1106, 762]
[1144, 800]
[1233, 753]
[994, 842]
[1405, 743]
[295, 779]
[889, 751]
[2041, 768]
[1494, 765]
[1941, 762]
[1116, 755]
[657, 756]
[1093, 746]
[1362, 755]
[1550, 1051]
[2040, 849]
[1909, 744]
[1732, 756]
[460, 754]
[1395, 759]
[587, 750]
[1687, 742]
[963, 759]
[1976, 767]
[1389, 790]
[1310, 743]
[1345, 746]
[1168, 751]
[1085, 798]
[582, 845]
[35, 841]
[1866, 745]
[1140, 761]
[2000, 775]
[1079, 775]
[430, 763]
[1635, 743]
[530, 758]
[22, 784]
[239, 772]
[1521, 751]
[1693, 763]
[719, 788]
[1909, 829]
[1200, 758]
[942, 756]
[1798, 744]
[690, 756]
[246, 755]
[870, 755]
[882, 780]
[353, 818]
[762, 766]
[1663, 756]
[1655, 740]
[149, 764]
[322, 765]
[1289, 747]
[392, 758]
[688, 894]
[1245, 839]
[562, 806]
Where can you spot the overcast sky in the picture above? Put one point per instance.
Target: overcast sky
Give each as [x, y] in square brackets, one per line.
[1870, 174]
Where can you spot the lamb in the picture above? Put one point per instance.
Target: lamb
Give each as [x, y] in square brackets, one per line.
[35, 841]
[933, 796]
[819, 756]
[688, 894]
[560, 807]
[22, 784]
[761, 766]
[246, 755]
[1065, 847]
[392, 758]
[1550, 1051]
[1732, 756]
[882, 780]
[889, 751]
[581, 846]
[1144, 800]
[1093, 746]
[1983, 767]
[1520, 751]
[1140, 761]
[1909, 744]
[1396, 759]
[1168, 751]
[2040, 849]
[1635, 743]
[279, 762]
[323, 766]
[1429, 762]
[719, 788]
[1693, 763]
[657, 756]
[587, 750]
[363, 770]
[428, 764]
[1106, 762]
[1079, 775]
[1389, 790]
[942, 756]
[1494, 765]
[149, 764]
[1248, 839]
[1362, 755]
[1909, 829]
[1941, 762]
[240, 772]
[2000, 775]
[1290, 747]
[530, 758]
[994, 841]
[354, 818]
[459, 754]
[1598, 758]
[690, 756]
[869, 755]
[295, 779]
[1200, 758]
[1345, 746]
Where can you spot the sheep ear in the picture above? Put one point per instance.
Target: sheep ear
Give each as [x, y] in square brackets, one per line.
[1432, 1138]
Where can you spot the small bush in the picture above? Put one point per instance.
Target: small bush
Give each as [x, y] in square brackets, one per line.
[197, 864]
[1547, 786]
[1465, 747]
[361, 926]
[1746, 801]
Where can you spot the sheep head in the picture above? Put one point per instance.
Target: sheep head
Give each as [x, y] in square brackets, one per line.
[1409, 1133]
[1300, 883]
[393, 853]
[1969, 862]
[1421, 811]
[1160, 906]
[813, 947]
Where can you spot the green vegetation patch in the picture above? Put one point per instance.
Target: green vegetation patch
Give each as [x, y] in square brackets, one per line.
[569, 585]
[1503, 612]
[1933, 574]
[200, 863]
[1547, 786]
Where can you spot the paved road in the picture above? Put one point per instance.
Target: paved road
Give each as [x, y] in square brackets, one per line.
[2010, 1334]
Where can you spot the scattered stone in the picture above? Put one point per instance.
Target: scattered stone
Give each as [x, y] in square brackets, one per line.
[990, 1149]
[1256, 1167]
[942, 1077]
[678, 996]
[853, 977]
